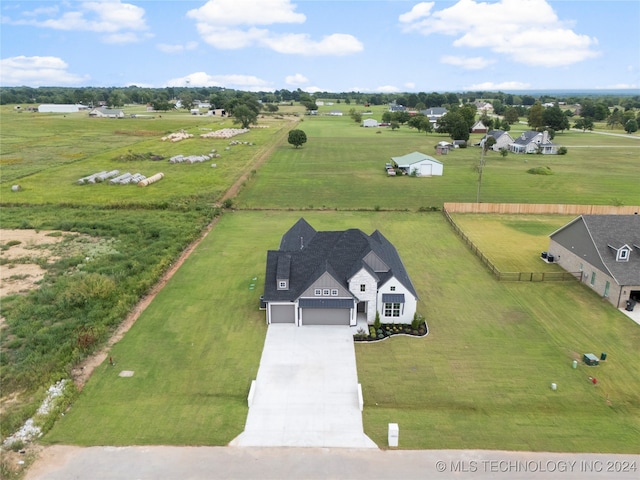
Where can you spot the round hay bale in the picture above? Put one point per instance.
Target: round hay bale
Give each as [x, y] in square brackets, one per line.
[16, 188]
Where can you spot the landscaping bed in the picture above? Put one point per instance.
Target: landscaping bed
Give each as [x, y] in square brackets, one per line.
[387, 330]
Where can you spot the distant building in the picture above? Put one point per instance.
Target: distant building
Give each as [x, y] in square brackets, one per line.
[103, 112]
[59, 108]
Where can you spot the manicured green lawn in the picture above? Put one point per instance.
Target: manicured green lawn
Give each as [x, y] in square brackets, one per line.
[480, 379]
[513, 243]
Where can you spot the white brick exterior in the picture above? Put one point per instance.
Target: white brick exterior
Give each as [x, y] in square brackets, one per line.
[363, 277]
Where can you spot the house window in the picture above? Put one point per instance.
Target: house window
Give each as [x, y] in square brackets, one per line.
[282, 285]
[363, 287]
[334, 292]
[606, 289]
[325, 292]
[581, 267]
[593, 278]
[623, 255]
[393, 289]
[317, 292]
[391, 309]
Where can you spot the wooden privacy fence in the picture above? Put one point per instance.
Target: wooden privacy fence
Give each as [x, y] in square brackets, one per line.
[509, 276]
[540, 208]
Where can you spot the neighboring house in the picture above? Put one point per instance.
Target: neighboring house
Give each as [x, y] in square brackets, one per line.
[605, 249]
[397, 108]
[532, 142]
[434, 114]
[104, 112]
[336, 113]
[483, 107]
[418, 164]
[502, 138]
[479, 127]
[336, 278]
[370, 122]
[59, 108]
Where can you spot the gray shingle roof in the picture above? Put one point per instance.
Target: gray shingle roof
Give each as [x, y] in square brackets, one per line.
[592, 236]
[339, 253]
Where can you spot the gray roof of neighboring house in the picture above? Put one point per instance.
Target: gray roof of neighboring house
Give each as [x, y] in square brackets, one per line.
[592, 237]
[339, 253]
[495, 133]
[527, 137]
[434, 111]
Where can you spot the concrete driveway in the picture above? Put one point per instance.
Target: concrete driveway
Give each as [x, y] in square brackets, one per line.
[306, 391]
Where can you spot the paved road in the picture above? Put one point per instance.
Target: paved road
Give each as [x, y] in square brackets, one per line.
[212, 463]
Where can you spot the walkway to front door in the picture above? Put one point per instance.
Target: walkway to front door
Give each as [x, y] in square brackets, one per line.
[306, 391]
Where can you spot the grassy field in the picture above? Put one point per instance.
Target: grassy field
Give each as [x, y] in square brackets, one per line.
[48, 169]
[481, 379]
[342, 166]
[497, 235]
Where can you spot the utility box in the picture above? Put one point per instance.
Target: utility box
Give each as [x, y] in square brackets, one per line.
[590, 359]
[394, 433]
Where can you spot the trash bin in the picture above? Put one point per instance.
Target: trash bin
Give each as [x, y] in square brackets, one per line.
[544, 254]
[630, 304]
[603, 356]
[550, 258]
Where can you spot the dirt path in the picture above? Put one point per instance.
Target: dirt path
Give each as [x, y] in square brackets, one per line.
[83, 371]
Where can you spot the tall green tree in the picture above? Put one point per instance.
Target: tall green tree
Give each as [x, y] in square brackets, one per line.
[555, 118]
[631, 126]
[511, 115]
[535, 118]
[455, 124]
[243, 115]
[584, 124]
[297, 137]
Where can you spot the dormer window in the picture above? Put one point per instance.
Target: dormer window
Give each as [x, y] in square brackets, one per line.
[623, 255]
[282, 285]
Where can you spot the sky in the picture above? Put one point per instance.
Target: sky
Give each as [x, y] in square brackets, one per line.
[323, 45]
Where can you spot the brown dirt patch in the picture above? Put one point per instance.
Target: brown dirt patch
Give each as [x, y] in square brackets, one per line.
[20, 272]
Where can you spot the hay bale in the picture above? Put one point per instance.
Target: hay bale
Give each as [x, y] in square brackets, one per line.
[16, 188]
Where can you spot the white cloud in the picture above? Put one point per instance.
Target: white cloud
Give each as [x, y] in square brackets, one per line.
[36, 72]
[297, 79]
[468, 63]
[202, 79]
[337, 44]
[418, 11]
[491, 86]
[230, 24]
[119, 22]
[176, 48]
[246, 12]
[537, 38]
[313, 89]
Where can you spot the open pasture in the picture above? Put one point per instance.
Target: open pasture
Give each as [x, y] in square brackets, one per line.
[342, 166]
[74, 146]
[480, 379]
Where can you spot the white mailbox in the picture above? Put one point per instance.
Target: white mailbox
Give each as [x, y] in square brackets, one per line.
[394, 432]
